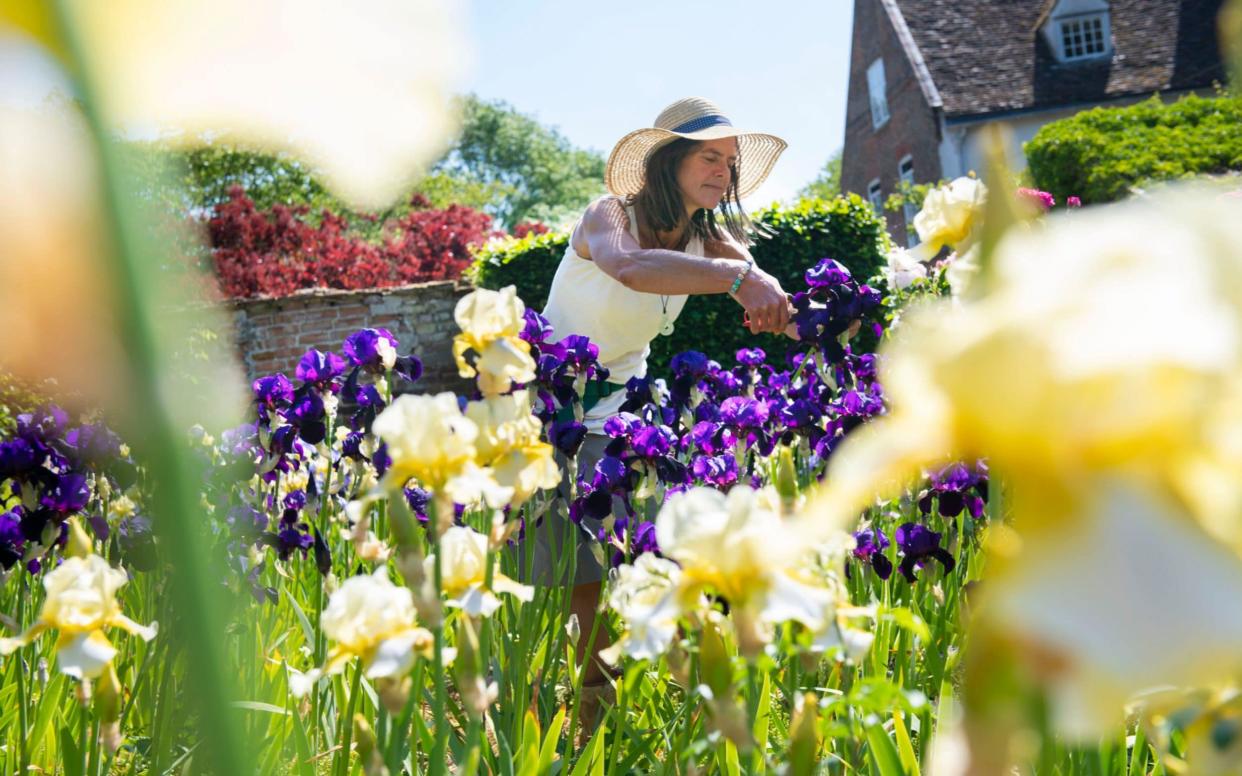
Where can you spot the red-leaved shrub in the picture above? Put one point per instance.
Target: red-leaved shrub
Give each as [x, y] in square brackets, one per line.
[278, 251]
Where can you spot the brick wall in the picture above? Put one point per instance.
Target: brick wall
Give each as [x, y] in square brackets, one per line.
[912, 127]
[272, 334]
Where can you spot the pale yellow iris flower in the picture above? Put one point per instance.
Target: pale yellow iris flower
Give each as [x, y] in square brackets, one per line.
[490, 323]
[735, 546]
[430, 440]
[373, 620]
[509, 443]
[81, 602]
[952, 215]
[463, 569]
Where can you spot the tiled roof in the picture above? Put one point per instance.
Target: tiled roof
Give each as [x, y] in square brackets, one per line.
[985, 56]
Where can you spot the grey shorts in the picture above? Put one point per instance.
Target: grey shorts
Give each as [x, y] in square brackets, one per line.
[556, 535]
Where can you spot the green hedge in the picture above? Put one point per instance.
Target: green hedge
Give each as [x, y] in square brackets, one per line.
[1100, 154]
[845, 228]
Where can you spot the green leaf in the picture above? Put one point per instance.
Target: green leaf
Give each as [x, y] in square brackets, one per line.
[884, 754]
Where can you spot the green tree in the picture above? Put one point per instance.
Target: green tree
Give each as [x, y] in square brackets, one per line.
[828, 183]
[546, 177]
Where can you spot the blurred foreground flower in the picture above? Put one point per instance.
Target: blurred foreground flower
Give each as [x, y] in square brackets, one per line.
[186, 67]
[1102, 376]
[51, 228]
[81, 602]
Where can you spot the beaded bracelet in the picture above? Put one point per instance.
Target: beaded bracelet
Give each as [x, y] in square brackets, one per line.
[737, 282]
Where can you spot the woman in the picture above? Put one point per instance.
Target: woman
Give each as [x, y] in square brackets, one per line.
[673, 226]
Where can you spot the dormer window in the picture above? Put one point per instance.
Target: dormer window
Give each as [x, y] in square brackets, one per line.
[1077, 30]
[1083, 37]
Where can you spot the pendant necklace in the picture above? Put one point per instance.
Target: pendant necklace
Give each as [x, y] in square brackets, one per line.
[666, 326]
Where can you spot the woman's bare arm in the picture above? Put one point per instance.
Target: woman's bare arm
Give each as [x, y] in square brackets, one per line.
[604, 237]
[609, 243]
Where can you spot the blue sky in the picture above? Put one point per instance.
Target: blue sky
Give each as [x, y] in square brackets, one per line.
[596, 70]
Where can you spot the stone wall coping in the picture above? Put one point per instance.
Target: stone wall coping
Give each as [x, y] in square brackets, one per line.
[338, 295]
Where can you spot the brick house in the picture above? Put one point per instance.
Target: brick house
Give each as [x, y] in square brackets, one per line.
[926, 76]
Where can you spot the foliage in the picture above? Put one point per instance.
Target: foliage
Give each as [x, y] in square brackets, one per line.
[828, 183]
[545, 177]
[844, 228]
[1104, 153]
[278, 250]
[16, 397]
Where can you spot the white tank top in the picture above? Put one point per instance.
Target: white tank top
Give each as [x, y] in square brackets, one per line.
[620, 321]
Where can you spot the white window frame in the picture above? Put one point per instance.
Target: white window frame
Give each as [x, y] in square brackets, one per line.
[875, 195]
[905, 174]
[1083, 22]
[877, 93]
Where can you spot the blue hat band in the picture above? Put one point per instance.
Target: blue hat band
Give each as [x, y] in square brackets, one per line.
[702, 122]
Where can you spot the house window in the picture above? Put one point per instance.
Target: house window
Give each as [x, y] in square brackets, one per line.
[1083, 37]
[875, 195]
[876, 88]
[905, 173]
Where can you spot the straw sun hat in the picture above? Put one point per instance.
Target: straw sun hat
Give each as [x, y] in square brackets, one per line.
[693, 118]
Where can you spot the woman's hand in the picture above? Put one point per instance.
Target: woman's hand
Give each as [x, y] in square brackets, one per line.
[765, 302]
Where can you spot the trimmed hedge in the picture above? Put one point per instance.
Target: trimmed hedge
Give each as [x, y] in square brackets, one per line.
[1101, 154]
[845, 228]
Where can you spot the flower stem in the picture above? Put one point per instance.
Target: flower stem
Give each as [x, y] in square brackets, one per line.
[438, 752]
[347, 725]
[24, 754]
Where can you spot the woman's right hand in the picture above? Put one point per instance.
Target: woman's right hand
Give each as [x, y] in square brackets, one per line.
[765, 302]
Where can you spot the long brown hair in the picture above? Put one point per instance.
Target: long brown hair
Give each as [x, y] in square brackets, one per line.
[660, 206]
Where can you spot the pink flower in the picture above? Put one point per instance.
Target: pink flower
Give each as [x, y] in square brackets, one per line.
[1041, 198]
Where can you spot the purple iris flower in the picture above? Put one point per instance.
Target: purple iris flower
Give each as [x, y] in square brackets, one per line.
[290, 539]
[408, 367]
[295, 499]
[536, 329]
[381, 459]
[418, 499]
[690, 363]
[644, 540]
[717, 470]
[306, 414]
[351, 446]
[43, 424]
[12, 541]
[869, 547]
[68, 495]
[241, 441]
[362, 347]
[650, 442]
[751, 356]
[743, 412]
[828, 272]
[955, 488]
[93, 442]
[919, 546]
[623, 424]
[610, 474]
[567, 436]
[320, 368]
[17, 457]
[273, 391]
